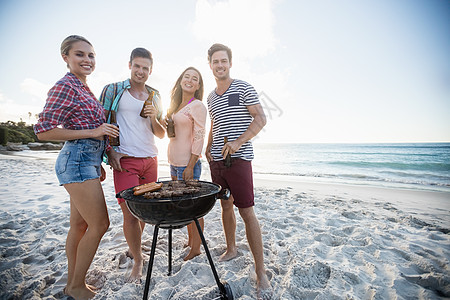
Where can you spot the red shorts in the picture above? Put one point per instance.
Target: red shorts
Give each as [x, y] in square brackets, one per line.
[138, 171]
[238, 179]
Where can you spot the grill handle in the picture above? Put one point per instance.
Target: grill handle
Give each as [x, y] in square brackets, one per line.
[224, 194]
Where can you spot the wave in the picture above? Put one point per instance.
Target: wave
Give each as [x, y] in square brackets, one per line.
[394, 165]
[355, 178]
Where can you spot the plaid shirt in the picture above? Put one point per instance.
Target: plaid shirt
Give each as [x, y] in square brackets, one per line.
[71, 104]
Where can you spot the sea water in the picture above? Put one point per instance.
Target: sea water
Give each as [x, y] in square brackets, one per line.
[406, 165]
[414, 165]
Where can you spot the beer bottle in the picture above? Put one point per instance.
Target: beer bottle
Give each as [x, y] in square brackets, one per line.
[170, 126]
[147, 102]
[114, 141]
[227, 161]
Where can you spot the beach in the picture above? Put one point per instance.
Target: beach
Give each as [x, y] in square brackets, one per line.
[322, 240]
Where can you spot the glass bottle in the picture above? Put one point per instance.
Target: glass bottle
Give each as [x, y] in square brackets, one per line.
[114, 141]
[149, 101]
[227, 161]
[170, 126]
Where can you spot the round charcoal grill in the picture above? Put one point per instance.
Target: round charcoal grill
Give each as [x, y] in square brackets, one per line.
[176, 212]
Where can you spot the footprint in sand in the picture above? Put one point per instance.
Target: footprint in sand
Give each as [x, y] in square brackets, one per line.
[438, 283]
[312, 275]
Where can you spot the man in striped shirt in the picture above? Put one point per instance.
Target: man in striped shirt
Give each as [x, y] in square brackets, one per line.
[237, 115]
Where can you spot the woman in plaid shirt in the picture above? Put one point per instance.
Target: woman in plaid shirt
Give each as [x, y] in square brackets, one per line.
[73, 114]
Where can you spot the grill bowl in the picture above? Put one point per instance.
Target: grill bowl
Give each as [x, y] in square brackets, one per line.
[174, 211]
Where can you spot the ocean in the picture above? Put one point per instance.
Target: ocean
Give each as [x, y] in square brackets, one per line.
[403, 165]
[424, 166]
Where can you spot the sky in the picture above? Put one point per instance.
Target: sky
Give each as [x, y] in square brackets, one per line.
[327, 71]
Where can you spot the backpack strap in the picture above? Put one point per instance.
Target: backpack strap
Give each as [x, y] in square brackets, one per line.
[112, 101]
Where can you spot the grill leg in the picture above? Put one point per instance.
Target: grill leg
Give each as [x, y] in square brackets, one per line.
[150, 264]
[211, 263]
[170, 252]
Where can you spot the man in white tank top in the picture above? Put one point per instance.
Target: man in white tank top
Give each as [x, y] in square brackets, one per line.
[135, 160]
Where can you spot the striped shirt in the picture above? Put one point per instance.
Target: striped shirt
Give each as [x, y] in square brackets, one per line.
[70, 103]
[231, 118]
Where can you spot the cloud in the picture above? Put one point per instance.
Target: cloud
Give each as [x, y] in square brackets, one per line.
[36, 89]
[247, 27]
[13, 111]
[240, 24]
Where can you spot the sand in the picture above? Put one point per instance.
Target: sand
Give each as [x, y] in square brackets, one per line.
[321, 241]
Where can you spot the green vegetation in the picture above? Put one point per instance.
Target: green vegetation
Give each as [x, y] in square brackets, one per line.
[16, 133]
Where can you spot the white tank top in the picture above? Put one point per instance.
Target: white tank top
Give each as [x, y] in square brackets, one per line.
[136, 135]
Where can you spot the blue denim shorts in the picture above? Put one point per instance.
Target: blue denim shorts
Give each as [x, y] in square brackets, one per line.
[79, 160]
[178, 171]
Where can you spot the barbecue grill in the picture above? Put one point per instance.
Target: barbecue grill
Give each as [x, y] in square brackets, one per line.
[173, 213]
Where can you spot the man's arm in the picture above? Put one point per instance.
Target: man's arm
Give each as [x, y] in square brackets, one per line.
[114, 159]
[157, 128]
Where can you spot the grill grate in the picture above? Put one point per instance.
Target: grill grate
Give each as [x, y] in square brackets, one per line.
[206, 189]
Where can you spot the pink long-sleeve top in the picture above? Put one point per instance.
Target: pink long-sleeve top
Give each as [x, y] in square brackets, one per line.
[189, 133]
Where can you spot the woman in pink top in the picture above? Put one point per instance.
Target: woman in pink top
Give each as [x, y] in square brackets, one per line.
[189, 116]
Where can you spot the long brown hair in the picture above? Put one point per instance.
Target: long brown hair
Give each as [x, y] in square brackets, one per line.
[177, 93]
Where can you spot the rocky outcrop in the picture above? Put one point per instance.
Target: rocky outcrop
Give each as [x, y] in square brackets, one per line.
[16, 147]
[44, 146]
[32, 146]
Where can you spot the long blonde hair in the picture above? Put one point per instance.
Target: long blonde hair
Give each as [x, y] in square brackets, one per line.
[176, 96]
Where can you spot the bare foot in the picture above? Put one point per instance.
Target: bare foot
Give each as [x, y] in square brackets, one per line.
[263, 288]
[264, 294]
[128, 253]
[136, 272]
[192, 254]
[228, 255]
[79, 293]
